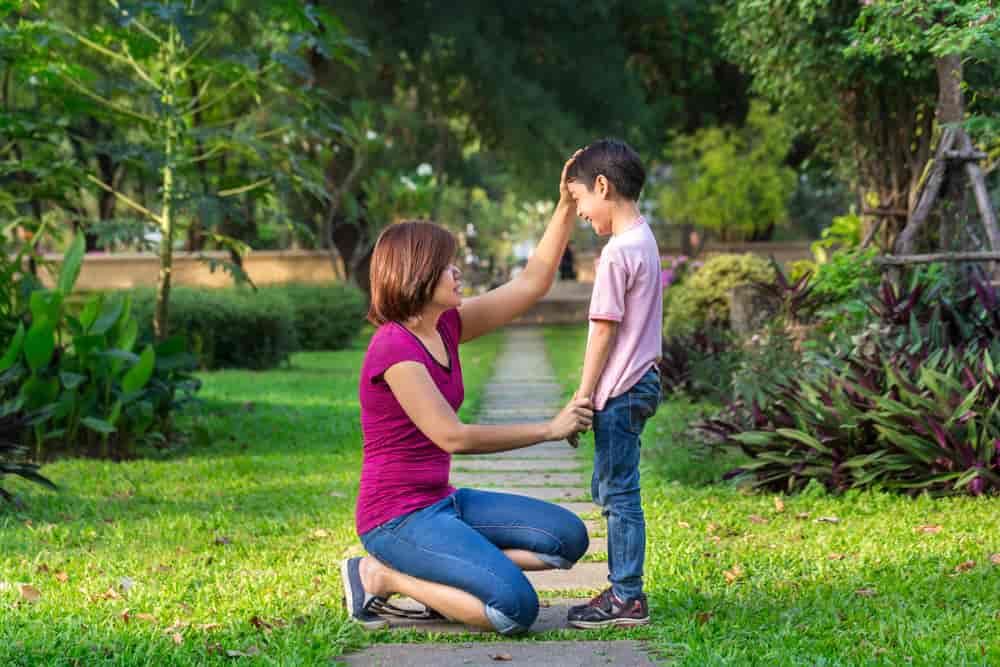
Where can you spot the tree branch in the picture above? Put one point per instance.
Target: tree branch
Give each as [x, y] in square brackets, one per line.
[128, 201]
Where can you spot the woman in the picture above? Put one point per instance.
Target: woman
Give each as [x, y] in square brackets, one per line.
[460, 552]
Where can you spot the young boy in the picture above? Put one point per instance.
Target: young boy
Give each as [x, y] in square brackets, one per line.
[620, 372]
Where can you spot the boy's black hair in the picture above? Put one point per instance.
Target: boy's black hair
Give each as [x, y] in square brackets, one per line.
[616, 160]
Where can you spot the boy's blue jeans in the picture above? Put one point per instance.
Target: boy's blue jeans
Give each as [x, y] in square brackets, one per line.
[459, 541]
[615, 485]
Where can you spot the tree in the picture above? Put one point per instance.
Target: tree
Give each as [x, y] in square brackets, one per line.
[730, 181]
[952, 33]
[179, 71]
[873, 115]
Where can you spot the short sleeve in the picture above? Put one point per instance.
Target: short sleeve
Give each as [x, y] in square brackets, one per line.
[390, 347]
[610, 284]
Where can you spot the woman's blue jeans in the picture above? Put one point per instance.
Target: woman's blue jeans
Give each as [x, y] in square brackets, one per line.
[615, 484]
[458, 541]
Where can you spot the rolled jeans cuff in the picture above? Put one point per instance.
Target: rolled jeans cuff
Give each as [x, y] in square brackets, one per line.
[503, 623]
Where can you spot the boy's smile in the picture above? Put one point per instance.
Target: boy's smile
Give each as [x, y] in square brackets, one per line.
[592, 206]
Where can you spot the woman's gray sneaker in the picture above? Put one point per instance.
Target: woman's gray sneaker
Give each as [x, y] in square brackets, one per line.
[357, 601]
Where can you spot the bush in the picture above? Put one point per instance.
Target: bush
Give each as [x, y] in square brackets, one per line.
[227, 328]
[78, 384]
[327, 317]
[913, 404]
[703, 299]
[700, 365]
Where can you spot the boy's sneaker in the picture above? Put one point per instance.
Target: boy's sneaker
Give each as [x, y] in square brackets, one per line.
[606, 610]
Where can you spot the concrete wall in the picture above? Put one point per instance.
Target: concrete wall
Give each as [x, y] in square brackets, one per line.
[125, 270]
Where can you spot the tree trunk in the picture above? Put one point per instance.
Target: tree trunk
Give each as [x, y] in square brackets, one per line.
[161, 326]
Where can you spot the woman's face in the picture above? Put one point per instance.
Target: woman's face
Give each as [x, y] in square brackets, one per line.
[448, 293]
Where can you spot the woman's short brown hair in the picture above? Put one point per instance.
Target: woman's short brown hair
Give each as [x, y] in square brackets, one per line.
[407, 263]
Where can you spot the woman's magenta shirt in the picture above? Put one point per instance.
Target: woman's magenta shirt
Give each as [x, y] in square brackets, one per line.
[403, 470]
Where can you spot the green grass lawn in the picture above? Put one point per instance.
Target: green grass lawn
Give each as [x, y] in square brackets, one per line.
[230, 543]
[750, 579]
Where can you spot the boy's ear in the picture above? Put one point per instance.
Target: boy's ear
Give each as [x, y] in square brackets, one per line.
[602, 186]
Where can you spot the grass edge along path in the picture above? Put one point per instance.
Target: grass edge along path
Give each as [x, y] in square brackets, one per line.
[227, 546]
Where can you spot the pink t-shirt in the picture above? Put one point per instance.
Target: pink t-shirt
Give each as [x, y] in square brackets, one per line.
[628, 290]
[402, 469]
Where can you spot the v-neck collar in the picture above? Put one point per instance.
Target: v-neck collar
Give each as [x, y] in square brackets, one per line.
[430, 354]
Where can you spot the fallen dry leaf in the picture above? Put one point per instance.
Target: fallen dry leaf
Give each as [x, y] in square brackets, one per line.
[178, 638]
[502, 657]
[222, 540]
[319, 532]
[732, 575]
[43, 568]
[683, 524]
[828, 519]
[208, 627]
[126, 616]
[865, 592]
[61, 576]
[149, 618]
[755, 518]
[995, 559]
[178, 625]
[931, 528]
[779, 505]
[704, 617]
[110, 594]
[30, 593]
[802, 516]
[964, 566]
[711, 528]
[836, 557]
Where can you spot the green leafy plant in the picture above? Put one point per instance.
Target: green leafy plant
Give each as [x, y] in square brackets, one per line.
[704, 298]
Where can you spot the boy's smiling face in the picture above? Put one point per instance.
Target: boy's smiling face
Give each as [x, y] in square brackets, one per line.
[594, 204]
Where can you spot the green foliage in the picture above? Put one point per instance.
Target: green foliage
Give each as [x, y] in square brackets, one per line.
[703, 299]
[913, 405]
[227, 328]
[79, 382]
[327, 317]
[732, 182]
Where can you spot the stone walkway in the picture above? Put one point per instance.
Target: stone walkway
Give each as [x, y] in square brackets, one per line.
[524, 389]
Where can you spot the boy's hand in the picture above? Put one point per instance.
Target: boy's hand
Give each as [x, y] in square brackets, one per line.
[564, 195]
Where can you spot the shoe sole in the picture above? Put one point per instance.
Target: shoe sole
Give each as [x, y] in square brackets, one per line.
[610, 623]
[349, 595]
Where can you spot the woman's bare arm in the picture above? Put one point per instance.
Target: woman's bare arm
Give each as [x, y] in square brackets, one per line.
[423, 403]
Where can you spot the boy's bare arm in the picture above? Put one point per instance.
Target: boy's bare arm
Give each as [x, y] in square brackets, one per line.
[596, 357]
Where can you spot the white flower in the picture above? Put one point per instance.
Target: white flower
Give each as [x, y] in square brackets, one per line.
[371, 135]
[408, 182]
[424, 170]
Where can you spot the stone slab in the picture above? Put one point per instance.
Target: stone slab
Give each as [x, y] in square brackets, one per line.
[583, 576]
[549, 450]
[581, 508]
[628, 653]
[507, 479]
[551, 616]
[486, 464]
[598, 545]
[550, 493]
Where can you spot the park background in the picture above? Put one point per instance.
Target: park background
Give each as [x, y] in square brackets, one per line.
[191, 192]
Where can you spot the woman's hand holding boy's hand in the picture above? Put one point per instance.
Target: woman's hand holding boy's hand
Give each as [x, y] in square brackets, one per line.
[565, 198]
[577, 416]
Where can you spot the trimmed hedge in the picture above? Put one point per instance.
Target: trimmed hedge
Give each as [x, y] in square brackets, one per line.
[227, 328]
[327, 317]
[243, 328]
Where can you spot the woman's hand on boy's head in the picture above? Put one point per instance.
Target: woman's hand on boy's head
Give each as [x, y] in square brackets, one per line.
[565, 197]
